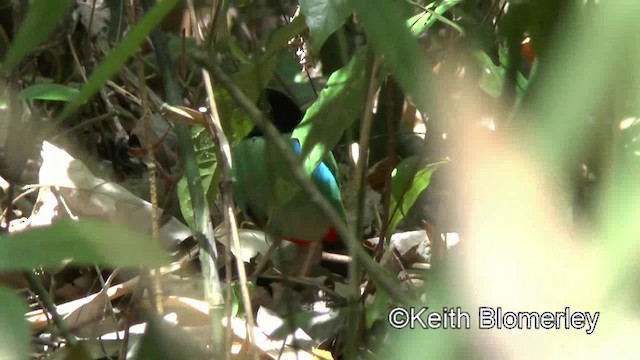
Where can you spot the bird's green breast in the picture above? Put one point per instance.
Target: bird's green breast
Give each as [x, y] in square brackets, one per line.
[265, 188]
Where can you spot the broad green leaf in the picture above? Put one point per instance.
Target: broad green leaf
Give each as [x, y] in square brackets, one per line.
[406, 185]
[582, 71]
[252, 78]
[207, 164]
[235, 121]
[323, 18]
[53, 92]
[42, 18]
[389, 36]
[420, 23]
[281, 37]
[293, 81]
[236, 125]
[186, 206]
[238, 306]
[493, 76]
[340, 103]
[118, 56]
[15, 336]
[235, 50]
[79, 242]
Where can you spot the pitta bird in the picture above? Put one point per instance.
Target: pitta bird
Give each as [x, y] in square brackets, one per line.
[264, 187]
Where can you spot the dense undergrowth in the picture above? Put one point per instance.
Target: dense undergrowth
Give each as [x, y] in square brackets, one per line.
[486, 154]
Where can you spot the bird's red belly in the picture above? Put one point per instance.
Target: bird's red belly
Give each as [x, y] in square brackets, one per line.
[330, 237]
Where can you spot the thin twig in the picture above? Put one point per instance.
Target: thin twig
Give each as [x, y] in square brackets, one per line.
[48, 303]
[12, 151]
[353, 316]
[155, 285]
[261, 266]
[41, 291]
[93, 10]
[122, 91]
[388, 97]
[203, 229]
[128, 76]
[226, 162]
[83, 124]
[336, 258]
[21, 196]
[104, 285]
[303, 281]
[120, 133]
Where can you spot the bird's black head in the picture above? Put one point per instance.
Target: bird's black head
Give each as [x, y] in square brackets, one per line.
[284, 113]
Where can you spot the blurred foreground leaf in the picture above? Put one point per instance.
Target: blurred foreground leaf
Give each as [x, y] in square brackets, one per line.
[339, 104]
[81, 242]
[389, 36]
[14, 331]
[420, 23]
[119, 55]
[42, 18]
[53, 92]
[406, 186]
[207, 164]
[162, 341]
[324, 17]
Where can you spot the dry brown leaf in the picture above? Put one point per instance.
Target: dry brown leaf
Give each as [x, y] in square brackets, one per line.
[184, 115]
[93, 318]
[39, 318]
[86, 195]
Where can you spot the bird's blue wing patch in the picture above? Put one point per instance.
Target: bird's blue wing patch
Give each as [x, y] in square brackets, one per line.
[324, 178]
[296, 146]
[322, 172]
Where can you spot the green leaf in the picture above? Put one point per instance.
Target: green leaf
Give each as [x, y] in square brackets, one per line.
[238, 306]
[42, 18]
[420, 23]
[53, 92]
[391, 39]
[15, 338]
[80, 242]
[252, 78]
[281, 37]
[294, 82]
[323, 18]
[339, 104]
[207, 164]
[235, 121]
[118, 56]
[493, 76]
[406, 185]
